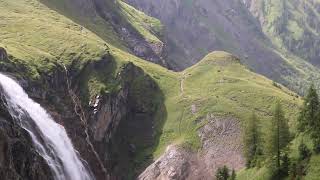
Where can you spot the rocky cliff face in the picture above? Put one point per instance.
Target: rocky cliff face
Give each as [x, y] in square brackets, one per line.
[113, 132]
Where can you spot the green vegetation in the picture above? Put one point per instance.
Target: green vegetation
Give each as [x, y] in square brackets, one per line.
[252, 141]
[295, 161]
[124, 18]
[277, 140]
[290, 25]
[219, 84]
[233, 175]
[309, 112]
[46, 40]
[298, 169]
[310, 117]
[222, 173]
[148, 26]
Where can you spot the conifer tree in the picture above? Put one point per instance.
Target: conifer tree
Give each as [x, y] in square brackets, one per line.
[278, 137]
[308, 115]
[309, 118]
[252, 140]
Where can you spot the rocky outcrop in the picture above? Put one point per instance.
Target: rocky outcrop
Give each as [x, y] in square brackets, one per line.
[123, 123]
[151, 51]
[221, 145]
[107, 113]
[176, 163]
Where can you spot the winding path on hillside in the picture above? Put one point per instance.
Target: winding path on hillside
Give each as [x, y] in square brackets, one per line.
[182, 83]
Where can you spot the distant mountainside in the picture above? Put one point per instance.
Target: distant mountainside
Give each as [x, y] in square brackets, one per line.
[291, 25]
[277, 38]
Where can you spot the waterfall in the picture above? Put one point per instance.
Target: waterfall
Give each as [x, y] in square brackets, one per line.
[49, 138]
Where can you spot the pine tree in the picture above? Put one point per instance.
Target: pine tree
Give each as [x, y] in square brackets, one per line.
[309, 119]
[309, 111]
[278, 137]
[252, 140]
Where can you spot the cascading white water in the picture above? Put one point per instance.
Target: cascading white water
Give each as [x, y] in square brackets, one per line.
[50, 139]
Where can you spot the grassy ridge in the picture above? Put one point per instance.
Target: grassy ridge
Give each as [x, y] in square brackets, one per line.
[219, 84]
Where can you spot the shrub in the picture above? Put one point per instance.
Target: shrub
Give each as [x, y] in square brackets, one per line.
[222, 173]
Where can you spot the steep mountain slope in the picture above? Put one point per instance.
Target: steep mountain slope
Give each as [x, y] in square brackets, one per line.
[131, 110]
[291, 25]
[117, 23]
[270, 36]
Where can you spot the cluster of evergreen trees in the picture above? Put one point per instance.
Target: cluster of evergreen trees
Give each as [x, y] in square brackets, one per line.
[309, 119]
[272, 146]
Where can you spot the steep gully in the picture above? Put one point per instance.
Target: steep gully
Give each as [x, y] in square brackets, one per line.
[78, 109]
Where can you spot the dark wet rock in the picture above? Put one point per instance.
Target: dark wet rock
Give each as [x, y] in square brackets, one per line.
[18, 158]
[3, 54]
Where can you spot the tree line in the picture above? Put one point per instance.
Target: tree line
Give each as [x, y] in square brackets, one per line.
[271, 148]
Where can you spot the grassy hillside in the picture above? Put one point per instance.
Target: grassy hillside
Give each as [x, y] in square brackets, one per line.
[219, 84]
[38, 38]
[148, 26]
[276, 38]
[108, 19]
